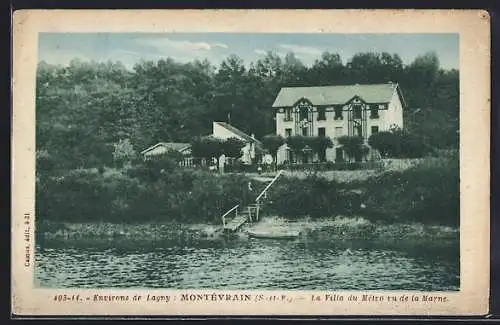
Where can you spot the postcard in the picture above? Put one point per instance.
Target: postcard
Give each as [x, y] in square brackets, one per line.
[250, 162]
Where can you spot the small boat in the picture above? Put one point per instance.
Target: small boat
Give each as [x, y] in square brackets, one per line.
[274, 235]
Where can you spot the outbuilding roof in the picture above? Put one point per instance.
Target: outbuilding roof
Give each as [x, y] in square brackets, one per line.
[178, 146]
[238, 132]
[336, 95]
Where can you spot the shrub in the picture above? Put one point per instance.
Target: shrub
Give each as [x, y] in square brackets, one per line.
[272, 143]
[319, 145]
[398, 143]
[427, 193]
[314, 196]
[353, 146]
[331, 166]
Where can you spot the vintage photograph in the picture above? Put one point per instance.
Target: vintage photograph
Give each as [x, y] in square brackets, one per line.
[237, 162]
[248, 161]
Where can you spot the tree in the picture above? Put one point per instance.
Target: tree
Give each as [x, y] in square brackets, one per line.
[328, 70]
[124, 152]
[232, 147]
[83, 109]
[353, 146]
[398, 143]
[319, 145]
[297, 143]
[272, 143]
[44, 163]
[385, 142]
[207, 147]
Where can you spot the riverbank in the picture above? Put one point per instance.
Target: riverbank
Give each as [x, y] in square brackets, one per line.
[332, 228]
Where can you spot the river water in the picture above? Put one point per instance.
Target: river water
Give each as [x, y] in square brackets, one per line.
[252, 264]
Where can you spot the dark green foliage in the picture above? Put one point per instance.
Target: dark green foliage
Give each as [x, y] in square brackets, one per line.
[313, 196]
[398, 143]
[329, 165]
[297, 144]
[86, 108]
[232, 147]
[427, 193]
[272, 143]
[385, 142]
[319, 145]
[353, 146]
[152, 170]
[207, 147]
[139, 196]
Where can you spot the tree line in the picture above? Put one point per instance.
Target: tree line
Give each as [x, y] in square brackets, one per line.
[86, 109]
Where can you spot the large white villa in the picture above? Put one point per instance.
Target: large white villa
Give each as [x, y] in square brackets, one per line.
[335, 111]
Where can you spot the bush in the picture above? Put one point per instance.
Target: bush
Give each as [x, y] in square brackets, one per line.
[427, 193]
[397, 143]
[331, 166]
[313, 196]
[135, 196]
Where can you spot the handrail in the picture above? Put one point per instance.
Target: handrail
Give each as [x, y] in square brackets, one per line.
[268, 185]
[228, 212]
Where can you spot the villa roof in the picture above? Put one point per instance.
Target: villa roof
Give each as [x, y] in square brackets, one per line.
[336, 95]
[178, 146]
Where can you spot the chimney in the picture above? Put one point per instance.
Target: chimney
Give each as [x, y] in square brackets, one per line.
[253, 136]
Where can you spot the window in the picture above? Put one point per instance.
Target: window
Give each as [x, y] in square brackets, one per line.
[374, 129]
[338, 132]
[338, 113]
[357, 111]
[304, 113]
[321, 132]
[321, 114]
[288, 114]
[305, 131]
[374, 111]
[288, 133]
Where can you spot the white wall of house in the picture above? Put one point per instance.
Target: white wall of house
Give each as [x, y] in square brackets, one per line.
[248, 151]
[394, 113]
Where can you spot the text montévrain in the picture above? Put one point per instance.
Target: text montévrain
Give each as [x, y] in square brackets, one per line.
[183, 298]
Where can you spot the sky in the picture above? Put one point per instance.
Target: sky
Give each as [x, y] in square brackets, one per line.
[129, 48]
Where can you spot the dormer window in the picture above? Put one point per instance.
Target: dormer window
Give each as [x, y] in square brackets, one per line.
[321, 114]
[288, 114]
[304, 113]
[374, 111]
[304, 108]
[338, 113]
[357, 111]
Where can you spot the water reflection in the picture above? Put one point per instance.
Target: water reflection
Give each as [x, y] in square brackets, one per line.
[252, 264]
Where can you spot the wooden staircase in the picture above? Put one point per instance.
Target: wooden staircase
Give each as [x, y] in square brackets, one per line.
[247, 213]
